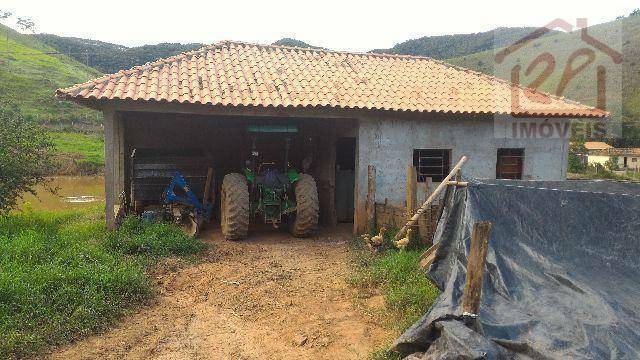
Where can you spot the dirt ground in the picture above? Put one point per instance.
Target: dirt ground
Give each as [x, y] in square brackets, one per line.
[269, 297]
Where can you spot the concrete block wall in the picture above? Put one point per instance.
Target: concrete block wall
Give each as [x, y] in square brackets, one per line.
[388, 144]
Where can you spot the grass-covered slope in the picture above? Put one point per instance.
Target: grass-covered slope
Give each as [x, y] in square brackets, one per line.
[30, 72]
[625, 89]
[78, 153]
[63, 276]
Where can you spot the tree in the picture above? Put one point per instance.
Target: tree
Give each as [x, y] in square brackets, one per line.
[25, 156]
[612, 164]
[26, 24]
[5, 14]
[577, 152]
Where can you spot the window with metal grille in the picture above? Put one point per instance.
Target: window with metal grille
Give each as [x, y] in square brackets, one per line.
[509, 164]
[433, 163]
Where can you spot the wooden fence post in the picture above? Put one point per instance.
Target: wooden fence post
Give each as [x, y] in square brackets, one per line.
[370, 205]
[475, 268]
[412, 197]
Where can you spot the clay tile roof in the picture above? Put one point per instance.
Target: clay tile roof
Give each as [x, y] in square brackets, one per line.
[596, 145]
[241, 74]
[616, 152]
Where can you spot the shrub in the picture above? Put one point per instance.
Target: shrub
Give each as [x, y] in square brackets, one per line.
[25, 156]
[576, 162]
[612, 164]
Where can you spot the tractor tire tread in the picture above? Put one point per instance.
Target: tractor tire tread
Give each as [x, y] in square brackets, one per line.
[307, 207]
[236, 209]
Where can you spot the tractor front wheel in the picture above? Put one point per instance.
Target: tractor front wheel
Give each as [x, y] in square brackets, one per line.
[234, 207]
[307, 206]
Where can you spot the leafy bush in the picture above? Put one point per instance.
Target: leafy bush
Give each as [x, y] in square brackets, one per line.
[25, 156]
[612, 164]
[576, 162]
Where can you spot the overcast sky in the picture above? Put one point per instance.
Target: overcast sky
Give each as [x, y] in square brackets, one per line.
[335, 24]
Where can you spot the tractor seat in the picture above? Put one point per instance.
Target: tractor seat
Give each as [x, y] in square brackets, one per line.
[273, 179]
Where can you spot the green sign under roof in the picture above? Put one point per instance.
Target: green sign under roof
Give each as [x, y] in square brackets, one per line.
[272, 129]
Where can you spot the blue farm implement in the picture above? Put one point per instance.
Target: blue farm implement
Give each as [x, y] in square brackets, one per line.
[172, 185]
[182, 206]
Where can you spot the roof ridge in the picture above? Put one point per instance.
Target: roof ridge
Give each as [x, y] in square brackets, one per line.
[426, 58]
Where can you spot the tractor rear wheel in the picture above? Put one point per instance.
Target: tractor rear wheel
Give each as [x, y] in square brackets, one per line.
[234, 207]
[307, 206]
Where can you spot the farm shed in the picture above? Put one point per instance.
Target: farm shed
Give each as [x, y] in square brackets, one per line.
[352, 110]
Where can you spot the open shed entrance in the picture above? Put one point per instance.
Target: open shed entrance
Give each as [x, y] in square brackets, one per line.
[323, 148]
[345, 178]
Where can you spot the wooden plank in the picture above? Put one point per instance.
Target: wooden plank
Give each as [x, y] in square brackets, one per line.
[431, 198]
[475, 267]
[459, 183]
[370, 205]
[428, 257]
[207, 186]
[411, 188]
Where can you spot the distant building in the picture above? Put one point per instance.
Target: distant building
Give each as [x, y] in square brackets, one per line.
[626, 158]
[594, 149]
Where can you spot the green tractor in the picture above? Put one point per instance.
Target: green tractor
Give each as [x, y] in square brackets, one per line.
[275, 194]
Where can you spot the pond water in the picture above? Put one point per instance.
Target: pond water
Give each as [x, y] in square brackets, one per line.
[72, 192]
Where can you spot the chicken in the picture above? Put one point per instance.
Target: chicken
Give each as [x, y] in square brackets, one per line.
[366, 238]
[375, 242]
[378, 240]
[402, 243]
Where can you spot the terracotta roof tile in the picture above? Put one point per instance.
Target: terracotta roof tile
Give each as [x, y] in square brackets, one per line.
[596, 145]
[233, 73]
[615, 152]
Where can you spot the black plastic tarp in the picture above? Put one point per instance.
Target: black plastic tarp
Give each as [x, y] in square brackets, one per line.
[562, 276]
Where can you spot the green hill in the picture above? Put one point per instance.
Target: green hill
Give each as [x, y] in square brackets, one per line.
[294, 42]
[448, 46]
[30, 72]
[111, 58]
[624, 89]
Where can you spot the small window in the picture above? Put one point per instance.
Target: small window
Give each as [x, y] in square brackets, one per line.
[509, 164]
[433, 163]
[634, 159]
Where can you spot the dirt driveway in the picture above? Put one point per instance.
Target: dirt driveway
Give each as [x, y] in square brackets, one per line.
[268, 297]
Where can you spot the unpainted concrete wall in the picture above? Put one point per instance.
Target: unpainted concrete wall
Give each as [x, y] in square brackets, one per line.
[388, 144]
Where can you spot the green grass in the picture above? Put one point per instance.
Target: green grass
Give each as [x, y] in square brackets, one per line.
[30, 74]
[603, 174]
[396, 275]
[63, 276]
[156, 240]
[88, 148]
